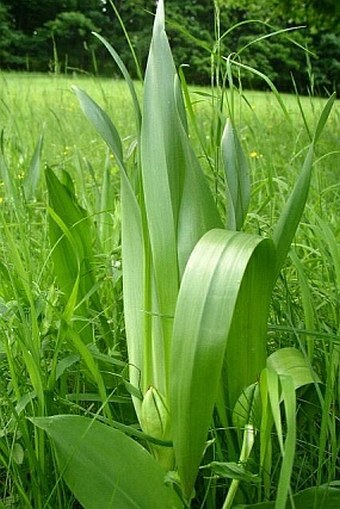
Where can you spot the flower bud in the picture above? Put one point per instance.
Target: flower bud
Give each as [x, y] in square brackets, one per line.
[154, 414]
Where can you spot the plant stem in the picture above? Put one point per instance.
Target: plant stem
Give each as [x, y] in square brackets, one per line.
[247, 445]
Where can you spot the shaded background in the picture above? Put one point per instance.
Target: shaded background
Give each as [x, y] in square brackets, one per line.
[55, 36]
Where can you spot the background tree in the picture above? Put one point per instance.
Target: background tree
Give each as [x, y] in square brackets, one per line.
[10, 40]
[34, 32]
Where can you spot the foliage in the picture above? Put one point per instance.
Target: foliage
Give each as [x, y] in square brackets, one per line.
[178, 262]
[328, 69]
[71, 36]
[192, 352]
[10, 41]
[190, 29]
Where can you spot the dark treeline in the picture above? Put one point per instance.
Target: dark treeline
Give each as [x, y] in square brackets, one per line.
[56, 36]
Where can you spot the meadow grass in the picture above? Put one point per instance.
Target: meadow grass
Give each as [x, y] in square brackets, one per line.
[45, 369]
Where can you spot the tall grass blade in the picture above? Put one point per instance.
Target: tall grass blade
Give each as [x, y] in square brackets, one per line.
[9, 183]
[32, 176]
[267, 80]
[288, 453]
[290, 217]
[127, 78]
[128, 39]
[307, 301]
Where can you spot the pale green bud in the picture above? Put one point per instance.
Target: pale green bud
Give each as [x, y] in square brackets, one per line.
[154, 414]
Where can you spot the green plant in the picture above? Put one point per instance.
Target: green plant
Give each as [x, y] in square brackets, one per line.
[192, 290]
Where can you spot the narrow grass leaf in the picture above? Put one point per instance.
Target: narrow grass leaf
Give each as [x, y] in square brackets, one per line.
[289, 401]
[324, 117]
[128, 39]
[106, 220]
[266, 425]
[324, 231]
[307, 300]
[290, 217]
[291, 214]
[32, 176]
[9, 182]
[274, 398]
[268, 81]
[104, 468]
[127, 78]
[211, 285]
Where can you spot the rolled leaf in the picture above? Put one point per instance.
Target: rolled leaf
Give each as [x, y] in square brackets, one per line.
[236, 176]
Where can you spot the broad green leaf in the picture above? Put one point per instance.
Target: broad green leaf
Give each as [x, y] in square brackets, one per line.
[71, 237]
[104, 468]
[160, 153]
[198, 212]
[286, 361]
[221, 272]
[75, 249]
[248, 334]
[322, 497]
[291, 362]
[290, 217]
[236, 176]
[248, 407]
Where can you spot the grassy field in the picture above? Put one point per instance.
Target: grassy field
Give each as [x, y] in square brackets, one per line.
[45, 367]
